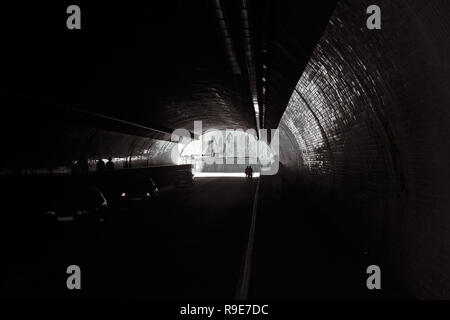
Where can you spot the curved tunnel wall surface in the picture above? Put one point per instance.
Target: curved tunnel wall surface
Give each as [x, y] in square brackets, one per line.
[137, 151]
[370, 119]
[56, 152]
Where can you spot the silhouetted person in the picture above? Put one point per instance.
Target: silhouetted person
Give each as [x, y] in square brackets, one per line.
[109, 166]
[100, 165]
[249, 172]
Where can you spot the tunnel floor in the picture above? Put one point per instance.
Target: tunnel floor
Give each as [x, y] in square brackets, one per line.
[188, 243]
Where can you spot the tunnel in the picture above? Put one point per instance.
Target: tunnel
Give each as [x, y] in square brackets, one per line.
[353, 121]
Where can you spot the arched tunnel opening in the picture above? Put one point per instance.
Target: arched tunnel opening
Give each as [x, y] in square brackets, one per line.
[227, 153]
[344, 127]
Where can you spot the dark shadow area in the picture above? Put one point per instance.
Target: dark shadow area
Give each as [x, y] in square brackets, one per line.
[303, 251]
[187, 242]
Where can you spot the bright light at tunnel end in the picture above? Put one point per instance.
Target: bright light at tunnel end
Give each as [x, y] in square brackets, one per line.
[257, 151]
[222, 174]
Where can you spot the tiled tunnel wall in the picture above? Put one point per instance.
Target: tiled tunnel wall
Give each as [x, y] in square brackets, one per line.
[139, 151]
[370, 119]
[51, 137]
[54, 152]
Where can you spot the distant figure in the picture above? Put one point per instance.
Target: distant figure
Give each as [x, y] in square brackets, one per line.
[109, 166]
[100, 165]
[249, 172]
[83, 165]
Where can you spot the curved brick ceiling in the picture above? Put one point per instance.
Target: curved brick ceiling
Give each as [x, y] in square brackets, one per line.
[159, 64]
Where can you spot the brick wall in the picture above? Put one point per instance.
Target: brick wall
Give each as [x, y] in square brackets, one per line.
[370, 118]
